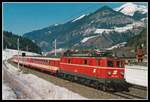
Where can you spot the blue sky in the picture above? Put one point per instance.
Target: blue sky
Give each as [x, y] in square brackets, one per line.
[21, 18]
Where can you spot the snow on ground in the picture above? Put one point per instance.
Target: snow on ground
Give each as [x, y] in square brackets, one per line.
[102, 30]
[79, 18]
[46, 89]
[125, 28]
[50, 90]
[53, 51]
[116, 46]
[87, 38]
[120, 29]
[137, 75]
[8, 53]
[56, 24]
[143, 19]
[7, 92]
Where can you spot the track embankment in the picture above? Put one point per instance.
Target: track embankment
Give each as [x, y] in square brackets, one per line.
[21, 88]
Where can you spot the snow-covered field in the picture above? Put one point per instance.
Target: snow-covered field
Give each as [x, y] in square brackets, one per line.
[87, 38]
[8, 93]
[137, 75]
[116, 46]
[8, 53]
[120, 29]
[53, 51]
[49, 90]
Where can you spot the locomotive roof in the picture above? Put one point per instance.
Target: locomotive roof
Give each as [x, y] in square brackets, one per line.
[93, 57]
[46, 58]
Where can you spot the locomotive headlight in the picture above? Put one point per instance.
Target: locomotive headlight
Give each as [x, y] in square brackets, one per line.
[115, 72]
[109, 73]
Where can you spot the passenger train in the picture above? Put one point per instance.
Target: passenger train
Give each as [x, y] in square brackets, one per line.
[105, 72]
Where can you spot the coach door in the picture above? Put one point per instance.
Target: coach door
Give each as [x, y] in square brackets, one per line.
[98, 65]
[96, 69]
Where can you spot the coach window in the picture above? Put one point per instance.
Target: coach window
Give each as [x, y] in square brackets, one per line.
[98, 63]
[110, 64]
[47, 61]
[69, 61]
[119, 64]
[85, 62]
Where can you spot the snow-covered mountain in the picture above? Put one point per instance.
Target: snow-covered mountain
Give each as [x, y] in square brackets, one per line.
[131, 8]
[103, 28]
[79, 18]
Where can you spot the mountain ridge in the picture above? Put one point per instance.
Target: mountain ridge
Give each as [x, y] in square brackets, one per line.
[70, 34]
[130, 8]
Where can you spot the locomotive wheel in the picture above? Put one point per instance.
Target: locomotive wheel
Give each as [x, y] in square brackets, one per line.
[70, 77]
[92, 83]
[87, 82]
[75, 78]
[63, 75]
[59, 75]
[103, 87]
[82, 80]
[96, 85]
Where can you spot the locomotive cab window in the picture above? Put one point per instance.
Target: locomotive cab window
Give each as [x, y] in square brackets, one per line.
[119, 64]
[110, 64]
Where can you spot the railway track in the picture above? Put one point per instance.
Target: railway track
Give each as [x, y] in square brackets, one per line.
[135, 92]
[130, 95]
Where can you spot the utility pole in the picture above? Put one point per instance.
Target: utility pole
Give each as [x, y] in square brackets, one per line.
[27, 48]
[55, 47]
[18, 51]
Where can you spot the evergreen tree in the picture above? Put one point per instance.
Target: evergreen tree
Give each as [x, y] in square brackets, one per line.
[10, 41]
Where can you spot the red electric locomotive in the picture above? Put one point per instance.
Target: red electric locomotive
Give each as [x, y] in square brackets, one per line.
[103, 72]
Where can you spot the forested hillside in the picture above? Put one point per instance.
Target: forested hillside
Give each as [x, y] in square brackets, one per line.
[10, 41]
[138, 40]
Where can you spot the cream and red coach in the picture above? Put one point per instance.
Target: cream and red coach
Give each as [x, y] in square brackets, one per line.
[43, 63]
